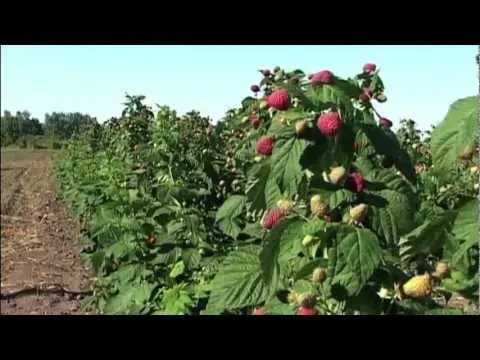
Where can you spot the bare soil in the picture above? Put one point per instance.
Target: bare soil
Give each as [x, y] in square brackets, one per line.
[38, 240]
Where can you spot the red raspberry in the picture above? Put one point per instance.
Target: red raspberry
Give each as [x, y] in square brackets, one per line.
[365, 96]
[273, 218]
[259, 311]
[265, 145]
[369, 68]
[355, 182]
[322, 77]
[385, 123]
[255, 88]
[306, 312]
[279, 99]
[255, 121]
[330, 123]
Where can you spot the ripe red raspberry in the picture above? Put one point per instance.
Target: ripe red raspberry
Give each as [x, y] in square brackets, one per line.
[385, 123]
[255, 121]
[322, 77]
[265, 145]
[306, 312]
[255, 88]
[259, 311]
[365, 96]
[266, 72]
[369, 68]
[330, 123]
[355, 182]
[273, 218]
[279, 99]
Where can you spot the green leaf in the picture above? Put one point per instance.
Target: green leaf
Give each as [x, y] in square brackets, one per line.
[307, 269]
[393, 218]
[238, 282]
[168, 257]
[287, 170]
[386, 143]
[248, 101]
[444, 311]
[176, 301]
[275, 307]
[191, 258]
[353, 259]
[339, 197]
[461, 283]
[269, 256]
[327, 96]
[457, 130]
[465, 226]
[291, 241]
[255, 192]
[228, 213]
[272, 193]
[131, 298]
[177, 270]
[253, 229]
[426, 238]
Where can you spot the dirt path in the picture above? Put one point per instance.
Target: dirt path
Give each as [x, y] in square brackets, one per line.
[38, 239]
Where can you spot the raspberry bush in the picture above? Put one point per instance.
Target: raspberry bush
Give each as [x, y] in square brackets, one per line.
[301, 201]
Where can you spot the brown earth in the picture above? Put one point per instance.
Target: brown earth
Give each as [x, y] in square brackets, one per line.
[40, 257]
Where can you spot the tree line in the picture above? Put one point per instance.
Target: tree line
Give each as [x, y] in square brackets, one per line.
[21, 128]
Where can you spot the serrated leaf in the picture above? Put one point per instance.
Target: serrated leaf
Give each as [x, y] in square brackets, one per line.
[191, 258]
[457, 130]
[228, 213]
[269, 256]
[444, 312]
[465, 226]
[426, 238]
[327, 96]
[307, 269]
[272, 193]
[291, 240]
[353, 259]
[177, 270]
[168, 257]
[253, 229]
[131, 298]
[339, 197]
[256, 192]
[238, 282]
[176, 301]
[304, 287]
[286, 169]
[460, 283]
[248, 101]
[388, 145]
[276, 307]
[393, 219]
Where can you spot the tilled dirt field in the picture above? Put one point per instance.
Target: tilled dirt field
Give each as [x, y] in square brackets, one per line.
[41, 269]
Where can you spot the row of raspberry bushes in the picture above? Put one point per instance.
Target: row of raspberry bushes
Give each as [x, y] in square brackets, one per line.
[302, 201]
[146, 188]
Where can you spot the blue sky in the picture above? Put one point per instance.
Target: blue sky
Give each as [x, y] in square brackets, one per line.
[421, 81]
